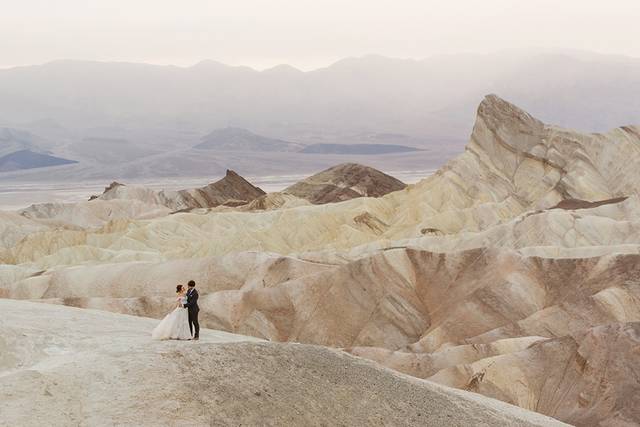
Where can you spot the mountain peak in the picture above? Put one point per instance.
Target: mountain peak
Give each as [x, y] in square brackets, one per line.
[343, 182]
[283, 68]
[509, 125]
[497, 108]
[27, 159]
[239, 139]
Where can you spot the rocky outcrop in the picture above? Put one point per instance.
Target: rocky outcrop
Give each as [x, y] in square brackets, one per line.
[107, 189]
[588, 378]
[573, 204]
[132, 202]
[232, 190]
[276, 200]
[345, 182]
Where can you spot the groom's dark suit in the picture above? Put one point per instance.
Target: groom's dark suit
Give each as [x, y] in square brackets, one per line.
[192, 306]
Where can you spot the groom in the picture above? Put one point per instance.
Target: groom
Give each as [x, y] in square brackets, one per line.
[192, 306]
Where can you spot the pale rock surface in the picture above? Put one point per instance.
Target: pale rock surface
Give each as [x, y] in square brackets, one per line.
[92, 214]
[232, 190]
[63, 366]
[15, 227]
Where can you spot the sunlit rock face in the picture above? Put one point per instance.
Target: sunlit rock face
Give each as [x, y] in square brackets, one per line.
[585, 378]
[504, 273]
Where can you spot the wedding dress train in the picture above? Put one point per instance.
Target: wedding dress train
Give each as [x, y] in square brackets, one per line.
[175, 325]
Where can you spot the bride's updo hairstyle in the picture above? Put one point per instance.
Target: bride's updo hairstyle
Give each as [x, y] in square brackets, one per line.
[178, 289]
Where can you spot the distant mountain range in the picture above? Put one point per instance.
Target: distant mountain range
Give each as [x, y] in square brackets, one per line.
[124, 120]
[21, 150]
[27, 159]
[238, 139]
[435, 97]
[357, 149]
[12, 140]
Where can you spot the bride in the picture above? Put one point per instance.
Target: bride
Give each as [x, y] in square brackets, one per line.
[175, 325]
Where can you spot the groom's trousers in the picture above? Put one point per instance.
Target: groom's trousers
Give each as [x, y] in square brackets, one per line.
[194, 326]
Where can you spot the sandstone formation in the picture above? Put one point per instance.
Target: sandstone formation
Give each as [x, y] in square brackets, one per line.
[514, 271]
[99, 368]
[232, 190]
[276, 200]
[345, 182]
[576, 378]
[14, 228]
[93, 214]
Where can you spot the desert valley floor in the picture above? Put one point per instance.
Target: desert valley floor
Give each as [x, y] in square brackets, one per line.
[510, 274]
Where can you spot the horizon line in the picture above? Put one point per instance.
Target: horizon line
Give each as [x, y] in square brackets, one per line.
[204, 61]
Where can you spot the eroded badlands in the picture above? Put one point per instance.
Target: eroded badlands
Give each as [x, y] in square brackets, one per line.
[513, 272]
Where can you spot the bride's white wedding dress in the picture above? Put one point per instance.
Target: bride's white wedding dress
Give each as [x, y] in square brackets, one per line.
[175, 325]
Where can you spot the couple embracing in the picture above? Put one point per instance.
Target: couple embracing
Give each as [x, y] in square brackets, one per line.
[182, 322]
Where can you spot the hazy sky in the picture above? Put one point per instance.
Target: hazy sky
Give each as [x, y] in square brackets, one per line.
[305, 33]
